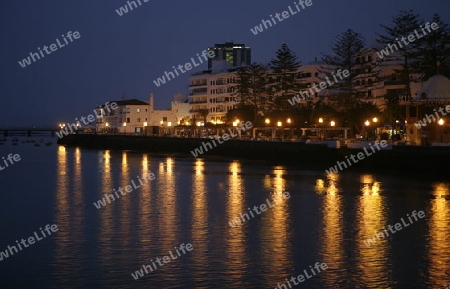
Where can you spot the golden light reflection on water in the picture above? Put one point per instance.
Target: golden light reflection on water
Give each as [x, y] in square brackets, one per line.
[123, 216]
[167, 201]
[236, 247]
[69, 215]
[199, 224]
[106, 213]
[62, 208]
[275, 234]
[78, 197]
[438, 250]
[373, 261]
[145, 202]
[332, 250]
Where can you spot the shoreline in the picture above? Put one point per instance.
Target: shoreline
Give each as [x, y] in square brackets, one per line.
[422, 160]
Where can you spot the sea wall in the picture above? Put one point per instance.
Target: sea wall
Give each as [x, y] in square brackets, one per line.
[401, 159]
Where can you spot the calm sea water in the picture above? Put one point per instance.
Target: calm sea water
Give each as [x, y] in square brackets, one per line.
[326, 219]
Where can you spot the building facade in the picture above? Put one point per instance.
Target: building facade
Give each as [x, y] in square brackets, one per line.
[135, 116]
[235, 55]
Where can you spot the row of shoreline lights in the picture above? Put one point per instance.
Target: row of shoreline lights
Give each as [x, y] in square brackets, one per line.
[279, 123]
[332, 122]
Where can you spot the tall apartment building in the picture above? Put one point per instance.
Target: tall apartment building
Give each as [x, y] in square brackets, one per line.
[212, 95]
[235, 55]
[211, 91]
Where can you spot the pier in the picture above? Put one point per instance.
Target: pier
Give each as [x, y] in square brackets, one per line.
[28, 131]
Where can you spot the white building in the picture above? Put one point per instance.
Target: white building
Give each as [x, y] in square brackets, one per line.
[129, 117]
[136, 116]
[169, 117]
[211, 93]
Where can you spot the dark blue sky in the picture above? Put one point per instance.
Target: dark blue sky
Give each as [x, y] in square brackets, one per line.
[122, 55]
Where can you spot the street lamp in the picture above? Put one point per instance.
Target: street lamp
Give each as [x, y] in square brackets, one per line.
[367, 123]
[288, 120]
[332, 123]
[441, 123]
[320, 120]
[279, 123]
[375, 119]
[267, 121]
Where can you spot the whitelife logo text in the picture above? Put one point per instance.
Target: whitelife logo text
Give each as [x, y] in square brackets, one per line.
[35, 56]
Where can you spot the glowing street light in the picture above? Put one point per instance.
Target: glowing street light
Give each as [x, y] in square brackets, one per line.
[332, 123]
[367, 123]
[288, 120]
[375, 119]
[441, 123]
[145, 123]
[124, 124]
[267, 121]
[279, 123]
[107, 124]
[320, 120]
[169, 123]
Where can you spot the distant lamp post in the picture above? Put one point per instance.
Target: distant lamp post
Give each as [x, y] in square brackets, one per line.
[234, 123]
[367, 123]
[375, 120]
[279, 123]
[161, 122]
[332, 123]
[288, 120]
[320, 120]
[169, 123]
[267, 121]
[441, 123]
[107, 124]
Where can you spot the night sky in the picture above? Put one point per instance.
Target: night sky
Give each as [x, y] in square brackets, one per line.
[118, 57]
